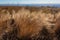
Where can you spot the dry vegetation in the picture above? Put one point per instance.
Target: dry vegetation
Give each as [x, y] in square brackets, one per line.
[29, 23]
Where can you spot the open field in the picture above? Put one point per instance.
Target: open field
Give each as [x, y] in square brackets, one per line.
[29, 23]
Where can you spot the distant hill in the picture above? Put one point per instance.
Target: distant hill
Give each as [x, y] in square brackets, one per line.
[37, 5]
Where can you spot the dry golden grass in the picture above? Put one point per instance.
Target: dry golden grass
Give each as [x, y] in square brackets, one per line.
[29, 21]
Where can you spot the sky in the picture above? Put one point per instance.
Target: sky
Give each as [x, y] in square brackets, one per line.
[29, 1]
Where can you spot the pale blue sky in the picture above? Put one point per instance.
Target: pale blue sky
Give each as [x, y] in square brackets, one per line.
[29, 1]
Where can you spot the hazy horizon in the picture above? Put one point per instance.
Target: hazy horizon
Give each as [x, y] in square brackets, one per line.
[53, 5]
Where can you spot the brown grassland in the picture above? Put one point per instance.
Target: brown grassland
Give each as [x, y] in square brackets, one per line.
[29, 23]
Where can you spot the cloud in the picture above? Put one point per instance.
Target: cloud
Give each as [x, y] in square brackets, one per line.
[29, 1]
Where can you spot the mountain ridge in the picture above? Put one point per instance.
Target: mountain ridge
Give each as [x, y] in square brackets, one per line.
[37, 5]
